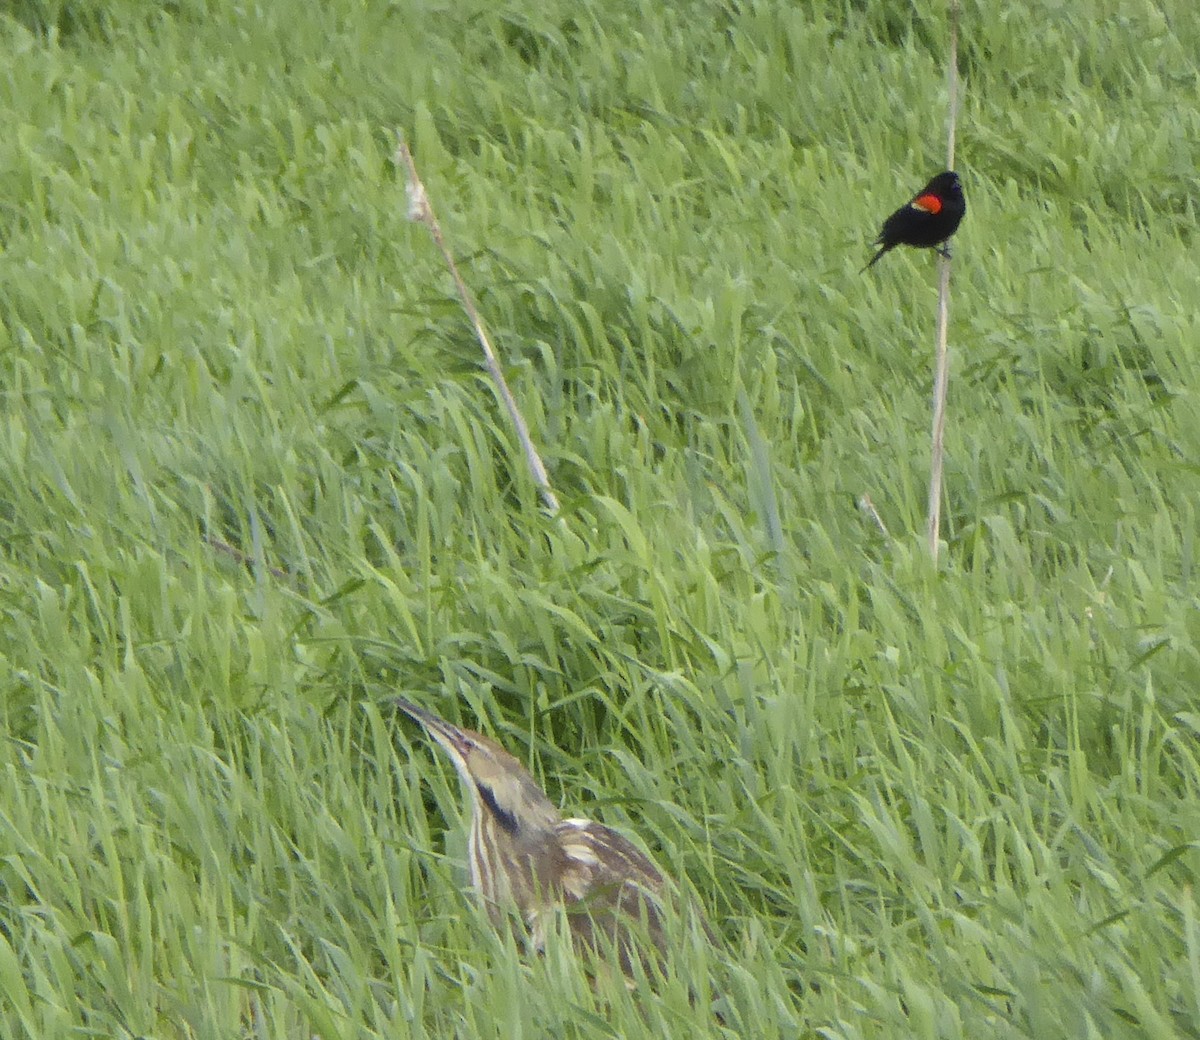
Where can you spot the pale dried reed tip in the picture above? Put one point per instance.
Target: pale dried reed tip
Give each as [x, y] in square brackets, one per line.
[418, 201]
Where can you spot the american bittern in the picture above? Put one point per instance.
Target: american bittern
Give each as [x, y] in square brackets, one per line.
[523, 855]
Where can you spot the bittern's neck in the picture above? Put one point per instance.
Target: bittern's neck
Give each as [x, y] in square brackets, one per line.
[511, 859]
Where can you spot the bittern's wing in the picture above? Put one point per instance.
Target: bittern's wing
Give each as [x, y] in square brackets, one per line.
[609, 885]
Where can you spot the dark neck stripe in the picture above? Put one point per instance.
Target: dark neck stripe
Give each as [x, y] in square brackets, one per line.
[506, 819]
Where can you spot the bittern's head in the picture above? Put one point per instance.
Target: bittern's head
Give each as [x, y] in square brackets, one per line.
[497, 783]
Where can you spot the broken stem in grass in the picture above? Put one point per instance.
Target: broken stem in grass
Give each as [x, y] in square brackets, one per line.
[942, 374]
[420, 209]
[869, 510]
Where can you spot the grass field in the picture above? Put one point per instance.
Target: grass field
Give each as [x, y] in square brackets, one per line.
[255, 480]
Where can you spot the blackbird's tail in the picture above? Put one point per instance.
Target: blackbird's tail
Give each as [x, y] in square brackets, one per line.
[875, 258]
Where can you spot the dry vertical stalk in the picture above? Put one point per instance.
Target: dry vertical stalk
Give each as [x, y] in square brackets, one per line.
[942, 376]
[420, 209]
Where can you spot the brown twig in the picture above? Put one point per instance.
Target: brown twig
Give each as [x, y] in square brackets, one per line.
[420, 209]
[869, 510]
[242, 558]
[942, 376]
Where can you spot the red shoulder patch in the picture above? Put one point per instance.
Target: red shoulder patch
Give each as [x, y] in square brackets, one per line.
[928, 203]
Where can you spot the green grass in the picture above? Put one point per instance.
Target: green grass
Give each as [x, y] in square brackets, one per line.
[942, 803]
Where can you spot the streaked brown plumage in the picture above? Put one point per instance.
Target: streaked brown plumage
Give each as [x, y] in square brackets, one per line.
[522, 854]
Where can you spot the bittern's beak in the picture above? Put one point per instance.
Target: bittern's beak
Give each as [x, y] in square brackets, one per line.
[450, 737]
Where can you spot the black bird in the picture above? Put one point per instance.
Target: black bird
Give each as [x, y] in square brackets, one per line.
[927, 220]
